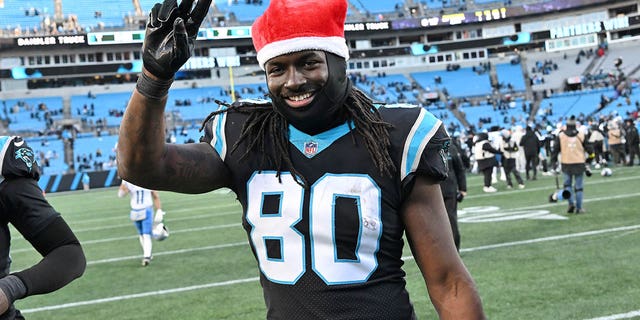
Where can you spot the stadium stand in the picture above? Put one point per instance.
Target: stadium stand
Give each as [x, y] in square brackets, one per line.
[32, 114]
[241, 10]
[462, 82]
[100, 110]
[392, 88]
[17, 16]
[95, 153]
[510, 77]
[49, 151]
[376, 7]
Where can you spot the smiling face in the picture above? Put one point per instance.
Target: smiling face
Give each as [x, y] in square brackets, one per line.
[296, 78]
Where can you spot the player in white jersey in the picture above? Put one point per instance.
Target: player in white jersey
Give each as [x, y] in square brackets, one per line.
[142, 203]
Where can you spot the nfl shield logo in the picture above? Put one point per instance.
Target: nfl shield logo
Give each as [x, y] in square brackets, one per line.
[310, 148]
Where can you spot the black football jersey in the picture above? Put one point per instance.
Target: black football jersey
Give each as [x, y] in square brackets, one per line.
[333, 250]
[19, 205]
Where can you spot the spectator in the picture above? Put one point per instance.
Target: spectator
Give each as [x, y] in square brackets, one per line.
[632, 141]
[530, 142]
[510, 150]
[454, 189]
[485, 155]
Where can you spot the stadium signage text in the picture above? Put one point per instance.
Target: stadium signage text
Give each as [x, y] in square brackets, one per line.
[50, 41]
[590, 27]
[367, 26]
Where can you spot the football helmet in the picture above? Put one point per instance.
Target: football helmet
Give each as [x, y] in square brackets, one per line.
[160, 232]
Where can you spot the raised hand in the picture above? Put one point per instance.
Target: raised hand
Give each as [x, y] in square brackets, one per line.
[171, 34]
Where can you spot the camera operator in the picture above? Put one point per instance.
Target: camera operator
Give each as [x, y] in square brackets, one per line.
[454, 189]
[571, 144]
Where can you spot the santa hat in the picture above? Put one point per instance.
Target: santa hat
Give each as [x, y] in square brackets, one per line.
[289, 26]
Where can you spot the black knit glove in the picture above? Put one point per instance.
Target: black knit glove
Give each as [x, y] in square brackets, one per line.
[171, 35]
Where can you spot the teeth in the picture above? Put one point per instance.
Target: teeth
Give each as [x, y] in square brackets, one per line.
[300, 97]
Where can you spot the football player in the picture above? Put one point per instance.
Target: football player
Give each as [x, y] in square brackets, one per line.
[329, 182]
[142, 201]
[22, 204]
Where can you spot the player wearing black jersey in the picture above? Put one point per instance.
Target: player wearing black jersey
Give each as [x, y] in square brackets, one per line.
[329, 182]
[22, 204]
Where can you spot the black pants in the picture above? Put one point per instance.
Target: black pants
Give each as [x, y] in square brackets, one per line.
[597, 152]
[451, 204]
[487, 172]
[618, 153]
[509, 166]
[634, 151]
[531, 161]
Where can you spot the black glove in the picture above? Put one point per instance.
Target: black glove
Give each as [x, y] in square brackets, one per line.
[171, 35]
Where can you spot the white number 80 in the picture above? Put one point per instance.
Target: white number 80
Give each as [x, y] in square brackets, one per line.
[280, 226]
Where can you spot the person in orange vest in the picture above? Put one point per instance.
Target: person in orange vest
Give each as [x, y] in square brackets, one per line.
[570, 144]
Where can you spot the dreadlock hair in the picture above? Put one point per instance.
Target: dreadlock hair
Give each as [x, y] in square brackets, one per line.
[264, 119]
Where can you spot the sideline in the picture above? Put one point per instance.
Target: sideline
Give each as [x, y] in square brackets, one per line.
[237, 281]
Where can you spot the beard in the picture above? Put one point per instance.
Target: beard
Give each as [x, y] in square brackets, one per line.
[327, 109]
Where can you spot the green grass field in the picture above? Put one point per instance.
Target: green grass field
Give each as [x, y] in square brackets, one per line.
[529, 258]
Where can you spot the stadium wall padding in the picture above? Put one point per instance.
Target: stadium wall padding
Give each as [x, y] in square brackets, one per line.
[73, 181]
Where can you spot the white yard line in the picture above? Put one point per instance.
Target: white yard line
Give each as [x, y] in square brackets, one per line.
[628, 315]
[238, 281]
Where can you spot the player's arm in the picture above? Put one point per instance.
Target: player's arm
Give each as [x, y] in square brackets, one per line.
[63, 259]
[143, 156]
[156, 200]
[122, 189]
[145, 159]
[450, 286]
[490, 148]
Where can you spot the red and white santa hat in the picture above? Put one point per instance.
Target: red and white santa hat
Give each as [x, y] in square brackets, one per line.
[289, 26]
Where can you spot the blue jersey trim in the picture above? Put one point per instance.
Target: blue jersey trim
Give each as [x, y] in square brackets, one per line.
[321, 141]
[219, 141]
[424, 128]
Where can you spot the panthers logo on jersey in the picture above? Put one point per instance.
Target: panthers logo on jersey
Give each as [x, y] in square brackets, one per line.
[26, 155]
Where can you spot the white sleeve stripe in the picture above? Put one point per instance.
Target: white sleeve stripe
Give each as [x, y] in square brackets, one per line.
[424, 128]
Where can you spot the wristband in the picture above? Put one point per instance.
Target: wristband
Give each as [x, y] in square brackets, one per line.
[13, 288]
[153, 89]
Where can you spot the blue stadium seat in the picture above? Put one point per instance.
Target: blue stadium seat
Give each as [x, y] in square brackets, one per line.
[379, 6]
[463, 82]
[112, 13]
[87, 148]
[104, 107]
[14, 15]
[25, 115]
[243, 10]
[200, 104]
[510, 73]
[52, 148]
